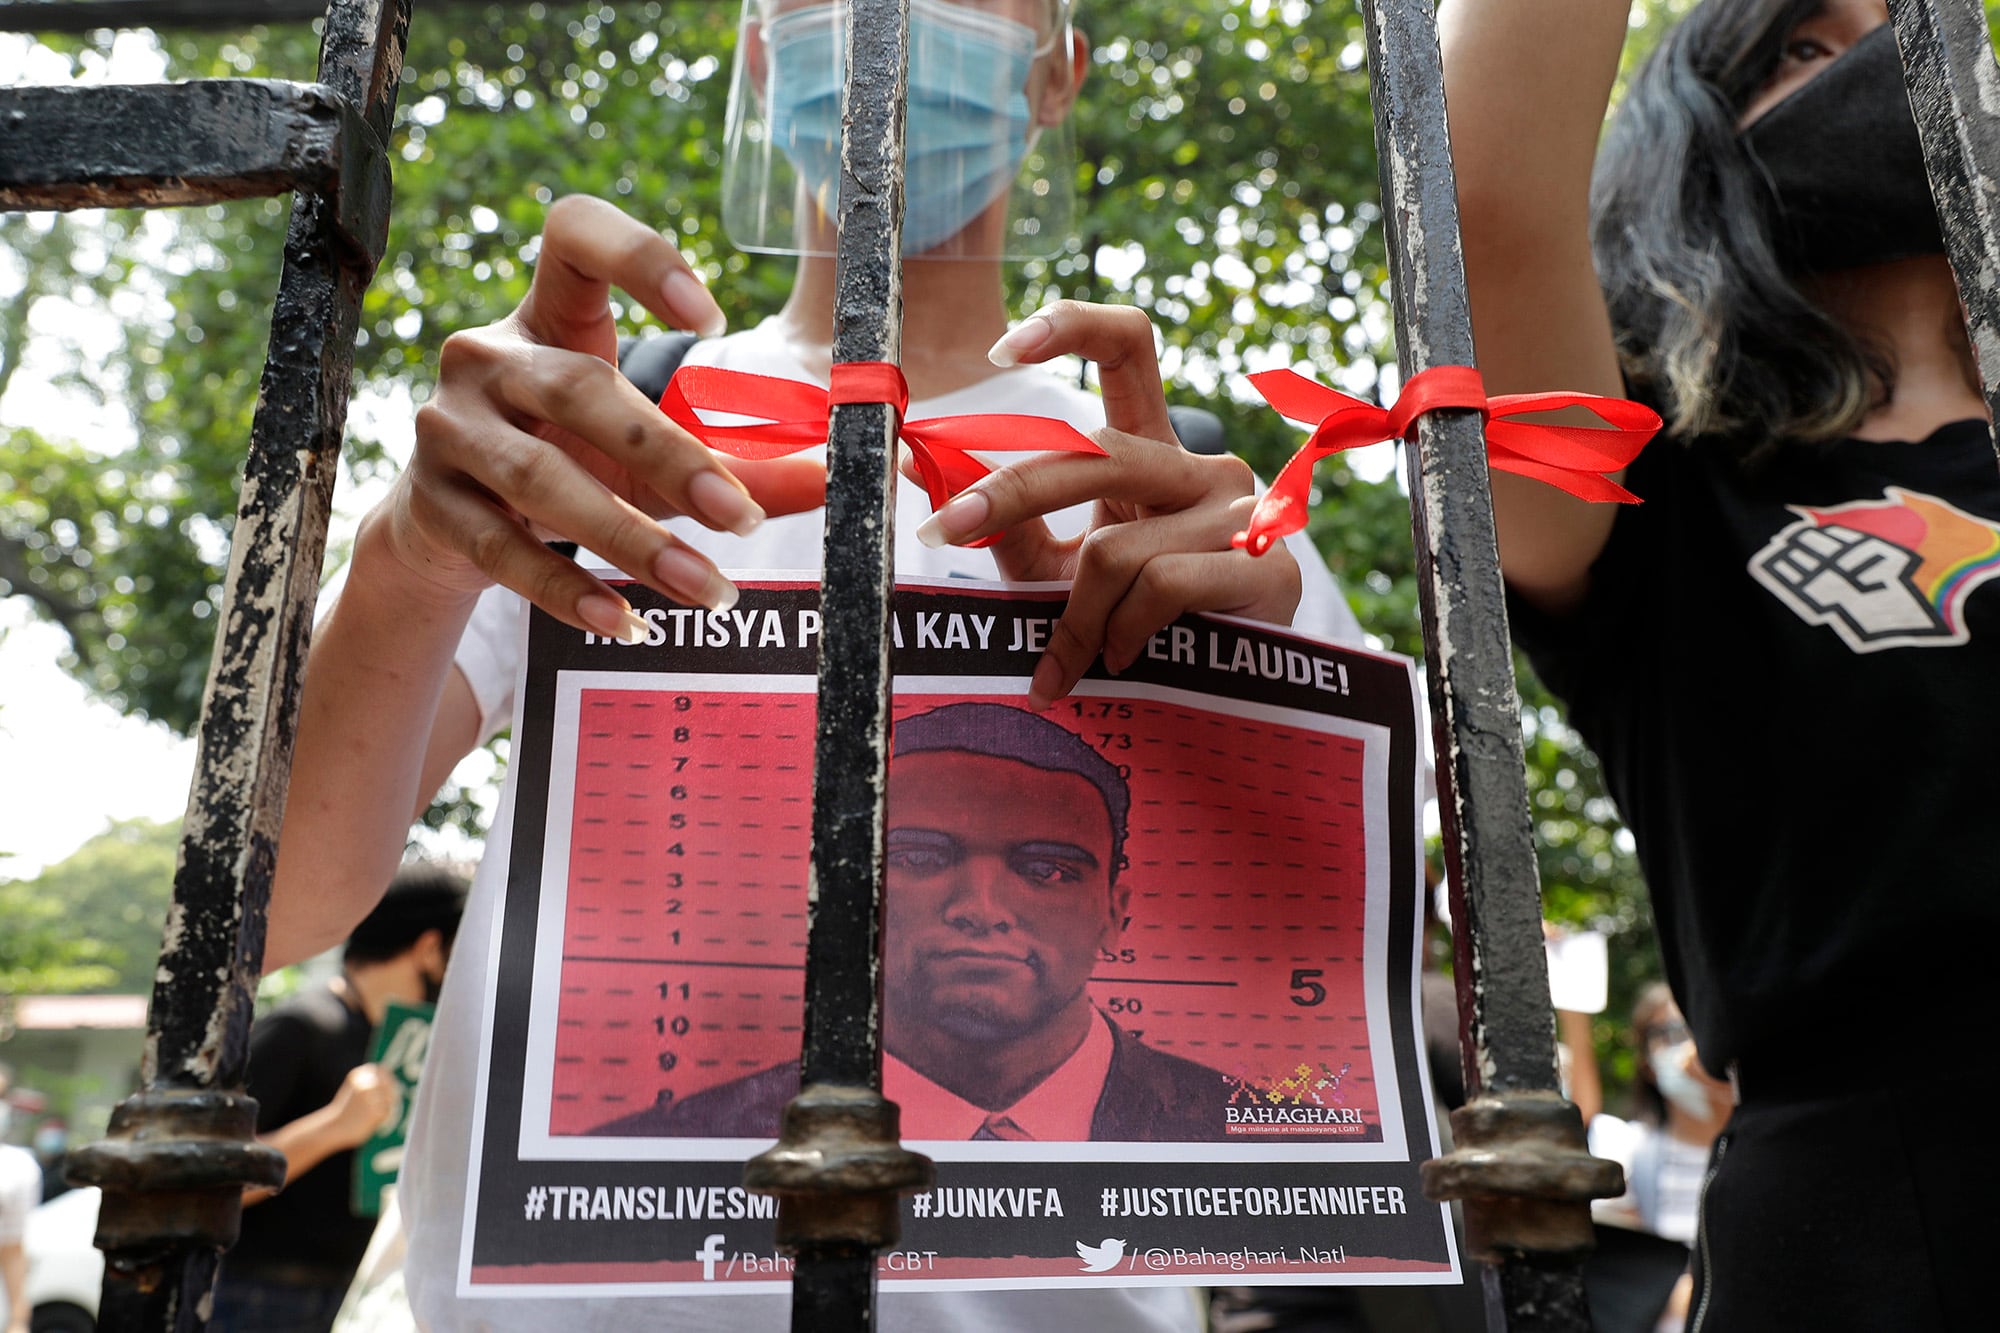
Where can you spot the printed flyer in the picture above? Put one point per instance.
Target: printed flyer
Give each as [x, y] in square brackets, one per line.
[1150, 992]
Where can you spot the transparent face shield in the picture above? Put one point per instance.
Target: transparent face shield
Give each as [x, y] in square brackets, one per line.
[989, 161]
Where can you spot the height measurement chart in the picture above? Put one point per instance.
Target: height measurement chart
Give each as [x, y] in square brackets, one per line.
[1149, 990]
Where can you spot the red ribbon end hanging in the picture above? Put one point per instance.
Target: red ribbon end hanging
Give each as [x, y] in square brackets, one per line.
[1574, 459]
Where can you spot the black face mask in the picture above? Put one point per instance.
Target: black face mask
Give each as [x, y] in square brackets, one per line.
[1843, 158]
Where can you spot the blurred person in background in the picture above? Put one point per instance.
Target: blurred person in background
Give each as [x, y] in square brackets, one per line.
[318, 1100]
[1678, 1111]
[20, 1191]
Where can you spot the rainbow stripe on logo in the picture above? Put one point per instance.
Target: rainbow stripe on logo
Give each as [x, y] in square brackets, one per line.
[1956, 551]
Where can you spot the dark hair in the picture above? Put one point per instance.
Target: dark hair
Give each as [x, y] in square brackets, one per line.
[1712, 328]
[1006, 732]
[419, 898]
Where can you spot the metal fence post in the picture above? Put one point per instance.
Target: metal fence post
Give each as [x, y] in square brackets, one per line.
[839, 1167]
[1948, 66]
[181, 1151]
[1520, 1166]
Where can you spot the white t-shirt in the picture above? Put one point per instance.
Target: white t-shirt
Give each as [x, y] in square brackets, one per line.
[433, 1187]
[1672, 1195]
[20, 1191]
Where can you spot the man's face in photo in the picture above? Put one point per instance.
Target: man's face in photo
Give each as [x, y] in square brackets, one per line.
[1000, 892]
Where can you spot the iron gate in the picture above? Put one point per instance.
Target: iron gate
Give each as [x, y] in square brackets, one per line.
[181, 1150]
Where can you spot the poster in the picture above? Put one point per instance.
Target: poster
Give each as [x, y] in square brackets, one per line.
[1149, 962]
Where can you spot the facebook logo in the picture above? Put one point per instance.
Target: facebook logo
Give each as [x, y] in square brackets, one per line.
[710, 1251]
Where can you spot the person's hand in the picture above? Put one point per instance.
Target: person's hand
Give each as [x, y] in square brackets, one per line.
[1158, 540]
[533, 434]
[366, 1100]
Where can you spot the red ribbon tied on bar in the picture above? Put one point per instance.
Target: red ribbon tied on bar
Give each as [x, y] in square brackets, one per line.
[793, 416]
[1571, 458]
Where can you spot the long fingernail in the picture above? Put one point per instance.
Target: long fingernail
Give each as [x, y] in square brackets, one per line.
[1047, 683]
[723, 505]
[610, 617]
[694, 303]
[1023, 338]
[692, 579]
[959, 517]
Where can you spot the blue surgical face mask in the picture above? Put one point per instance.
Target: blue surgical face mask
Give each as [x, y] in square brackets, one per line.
[967, 122]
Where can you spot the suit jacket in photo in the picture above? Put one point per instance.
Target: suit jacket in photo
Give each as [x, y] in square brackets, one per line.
[1149, 1096]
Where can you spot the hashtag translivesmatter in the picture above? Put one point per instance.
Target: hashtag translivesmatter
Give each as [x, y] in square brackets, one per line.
[647, 1203]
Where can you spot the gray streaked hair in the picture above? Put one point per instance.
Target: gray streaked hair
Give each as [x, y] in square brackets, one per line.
[1712, 327]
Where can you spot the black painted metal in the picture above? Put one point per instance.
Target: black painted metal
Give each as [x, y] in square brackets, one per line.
[199, 142]
[177, 143]
[1519, 1165]
[1954, 88]
[90, 15]
[838, 1168]
[181, 1151]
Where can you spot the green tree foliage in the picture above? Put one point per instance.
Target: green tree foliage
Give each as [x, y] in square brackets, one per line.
[102, 909]
[1226, 185]
[39, 954]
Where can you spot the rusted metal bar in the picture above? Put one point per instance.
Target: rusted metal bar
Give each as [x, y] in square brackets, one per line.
[199, 142]
[181, 1150]
[90, 15]
[839, 1168]
[1520, 1166]
[1954, 88]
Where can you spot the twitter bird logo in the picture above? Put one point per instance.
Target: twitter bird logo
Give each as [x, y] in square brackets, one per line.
[1100, 1258]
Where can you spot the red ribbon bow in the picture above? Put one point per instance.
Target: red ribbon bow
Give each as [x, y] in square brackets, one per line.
[1571, 458]
[794, 417]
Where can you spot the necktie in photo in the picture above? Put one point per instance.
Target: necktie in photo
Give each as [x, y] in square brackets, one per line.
[1000, 1127]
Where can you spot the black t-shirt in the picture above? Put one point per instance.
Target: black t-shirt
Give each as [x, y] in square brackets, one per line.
[1789, 673]
[299, 1054]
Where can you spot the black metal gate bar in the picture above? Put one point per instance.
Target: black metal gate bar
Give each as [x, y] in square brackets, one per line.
[1520, 1166]
[90, 15]
[200, 142]
[180, 1152]
[838, 1167]
[1954, 84]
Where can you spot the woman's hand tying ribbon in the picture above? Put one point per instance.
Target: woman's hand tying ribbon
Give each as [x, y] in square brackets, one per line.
[533, 434]
[1573, 458]
[793, 416]
[1157, 544]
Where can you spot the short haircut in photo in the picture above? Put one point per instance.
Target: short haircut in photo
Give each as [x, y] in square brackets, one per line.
[1005, 732]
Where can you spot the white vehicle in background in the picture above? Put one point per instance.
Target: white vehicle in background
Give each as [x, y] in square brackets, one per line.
[65, 1270]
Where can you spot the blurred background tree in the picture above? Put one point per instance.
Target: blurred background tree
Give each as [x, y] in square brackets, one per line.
[106, 900]
[1226, 184]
